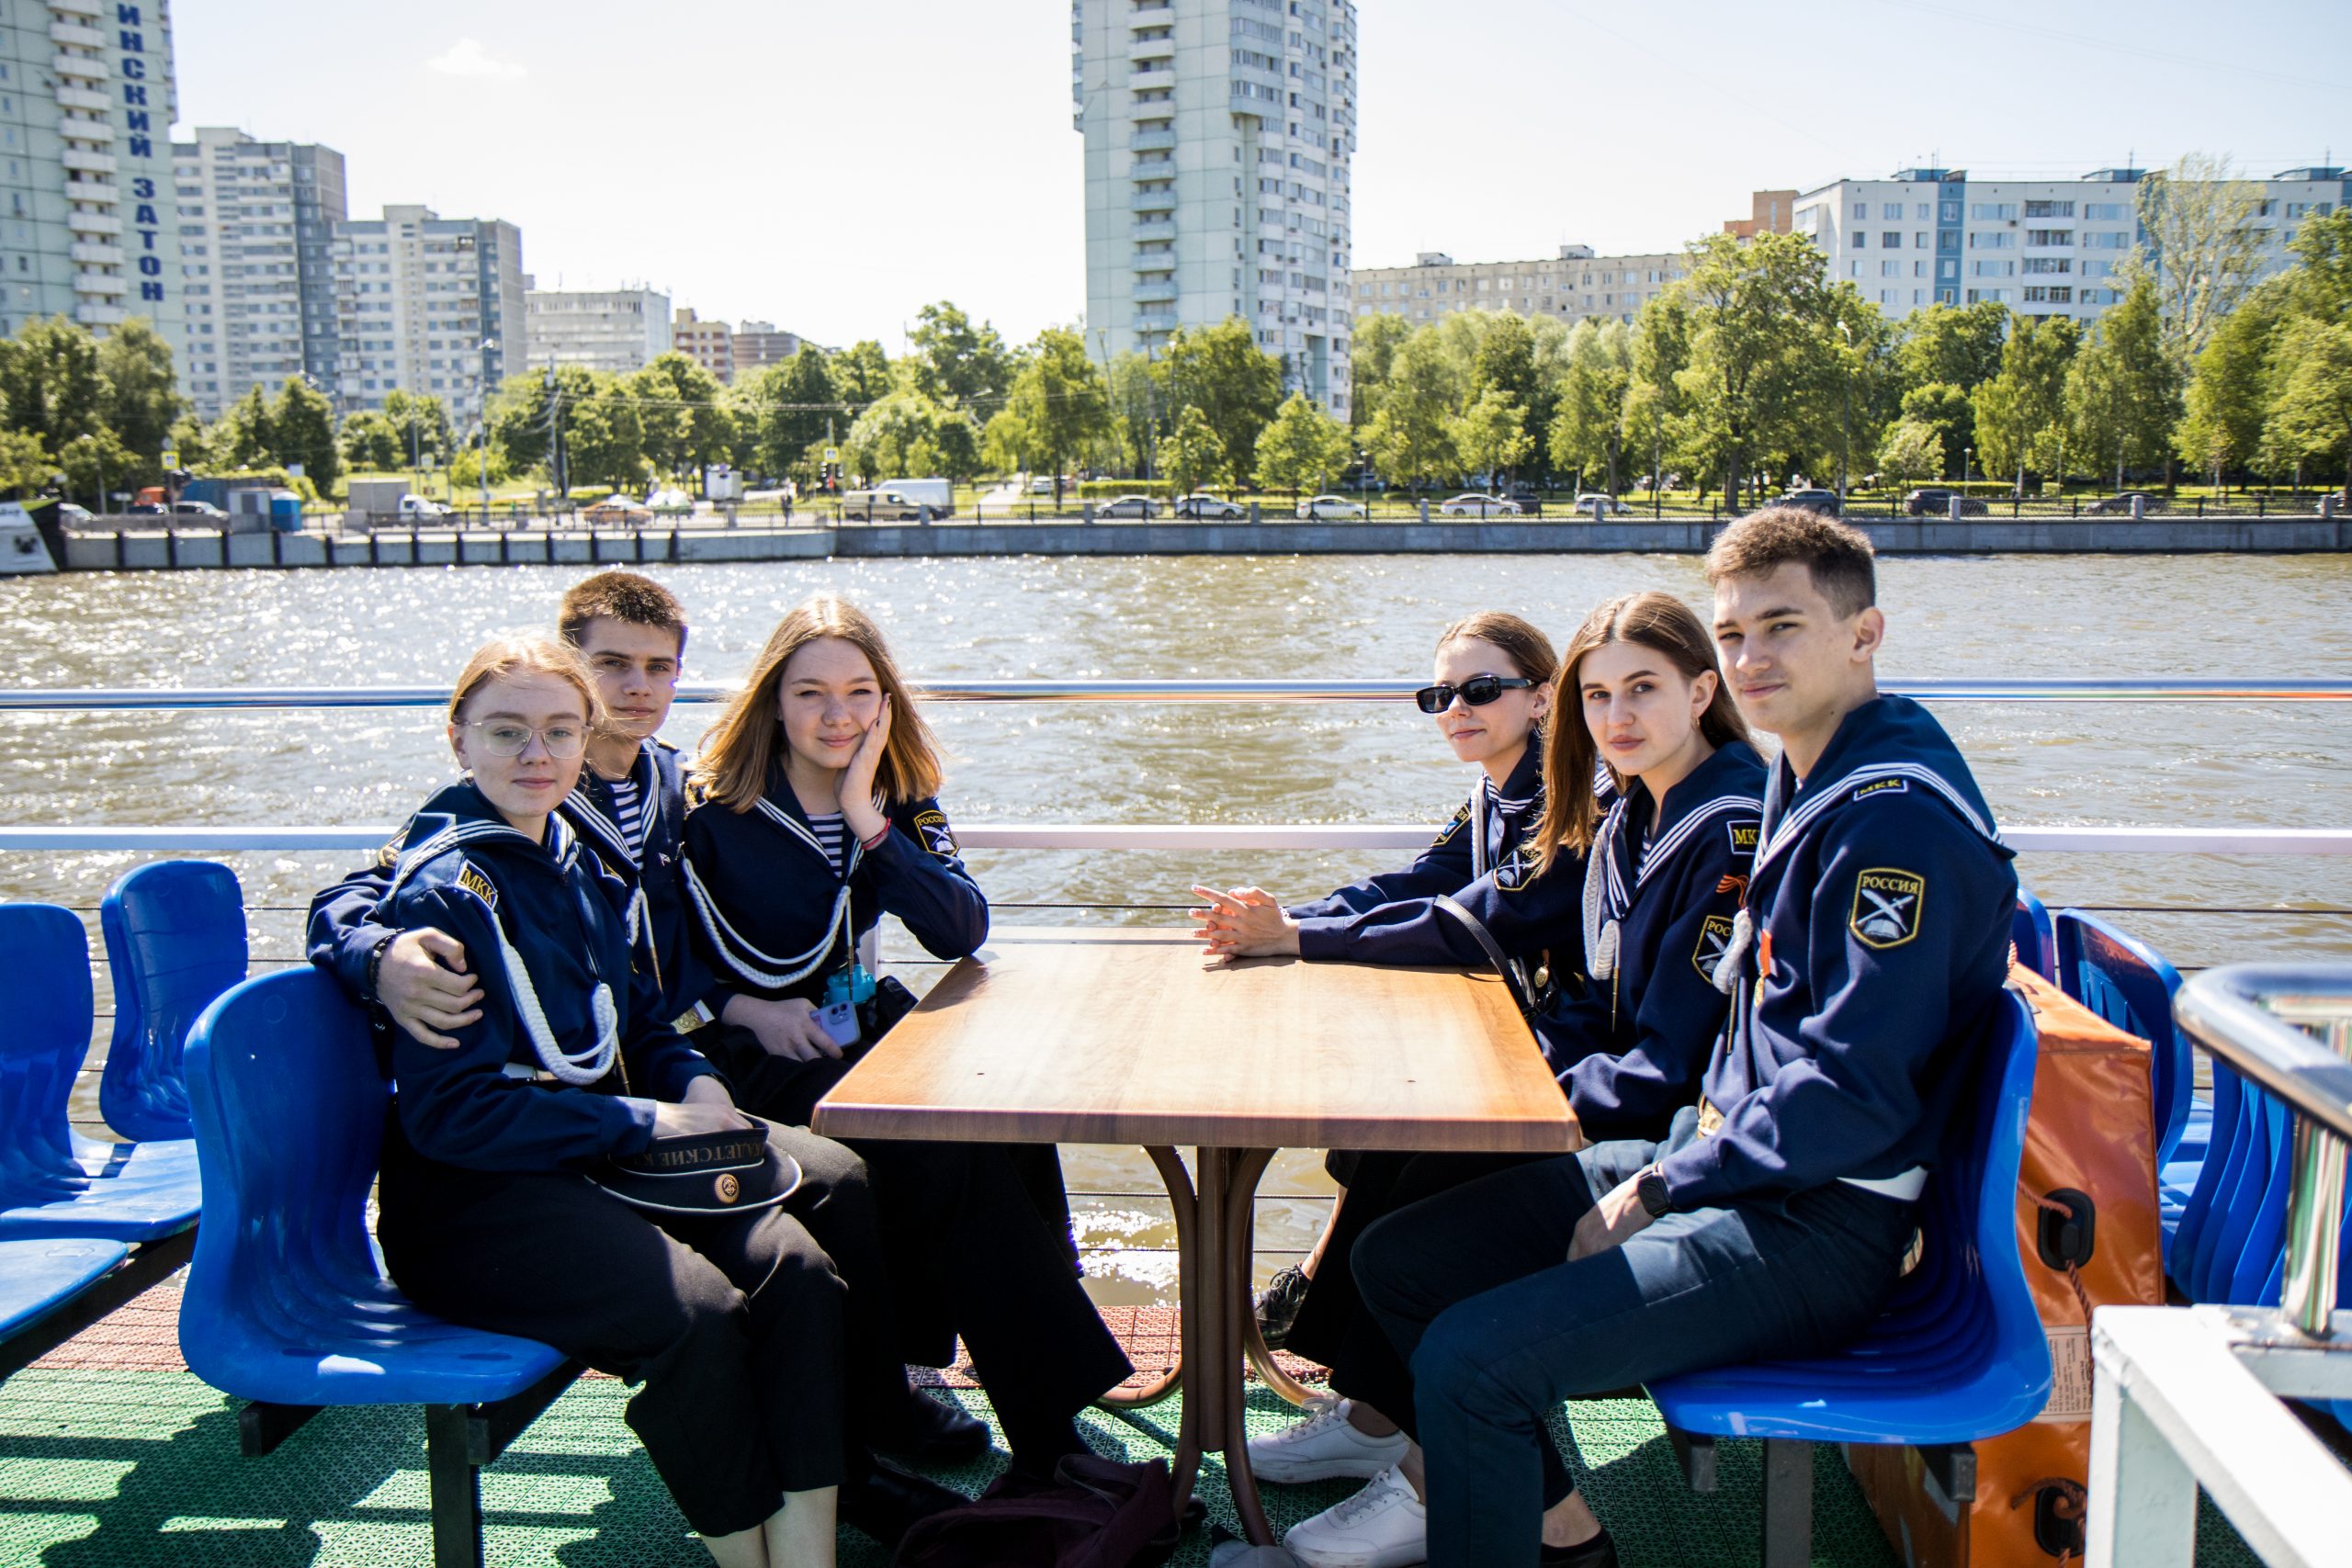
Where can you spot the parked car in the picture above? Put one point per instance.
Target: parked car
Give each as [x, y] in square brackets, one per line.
[203, 510]
[1597, 507]
[147, 509]
[1825, 501]
[2342, 500]
[2120, 504]
[1128, 506]
[418, 509]
[1476, 506]
[72, 516]
[1208, 507]
[671, 504]
[1042, 484]
[1331, 509]
[613, 509]
[881, 506]
[1938, 503]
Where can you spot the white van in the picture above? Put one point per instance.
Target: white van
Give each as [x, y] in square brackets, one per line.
[879, 506]
[936, 493]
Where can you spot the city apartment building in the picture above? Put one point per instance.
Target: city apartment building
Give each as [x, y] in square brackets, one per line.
[2041, 247]
[428, 305]
[257, 223]
[1770, 212]
[1219, 135]
[616, 330]
[1571, 286]
[710, 345]
[755, 345]
[88, 228]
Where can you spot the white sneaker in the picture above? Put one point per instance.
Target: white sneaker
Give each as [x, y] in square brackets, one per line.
[1384, 1526]
[1324, 1448]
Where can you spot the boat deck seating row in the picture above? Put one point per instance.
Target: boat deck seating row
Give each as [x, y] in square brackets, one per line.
[86, 1225]
[1958, 1355]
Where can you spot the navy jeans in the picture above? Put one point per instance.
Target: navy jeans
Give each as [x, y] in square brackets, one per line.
[1472, 1288]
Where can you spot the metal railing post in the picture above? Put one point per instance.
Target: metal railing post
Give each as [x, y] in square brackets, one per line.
[2314, 1201]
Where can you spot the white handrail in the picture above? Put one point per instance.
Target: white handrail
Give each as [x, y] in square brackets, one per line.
[1189, 837]
[2228, 689]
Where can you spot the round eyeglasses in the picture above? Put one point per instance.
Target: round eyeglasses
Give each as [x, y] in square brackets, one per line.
[507, 737]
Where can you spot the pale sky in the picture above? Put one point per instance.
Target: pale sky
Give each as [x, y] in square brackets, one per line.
[833, 166]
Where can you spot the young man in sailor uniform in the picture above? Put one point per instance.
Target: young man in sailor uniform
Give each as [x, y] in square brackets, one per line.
[1867, 963]
[628, 809]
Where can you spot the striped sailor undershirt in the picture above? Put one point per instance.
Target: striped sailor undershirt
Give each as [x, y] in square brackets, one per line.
[628, 812]
[832, 837]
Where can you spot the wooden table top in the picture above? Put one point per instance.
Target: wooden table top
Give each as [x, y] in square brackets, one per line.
[1126, 1035]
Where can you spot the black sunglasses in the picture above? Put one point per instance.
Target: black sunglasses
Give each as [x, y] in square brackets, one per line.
[1477, 691]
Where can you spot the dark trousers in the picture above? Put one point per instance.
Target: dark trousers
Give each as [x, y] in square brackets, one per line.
[1473, 1288]
[738, 1327]
[1333, 1326]
[968, 1253]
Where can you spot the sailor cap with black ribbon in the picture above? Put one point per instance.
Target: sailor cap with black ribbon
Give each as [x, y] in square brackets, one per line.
[703, 1173]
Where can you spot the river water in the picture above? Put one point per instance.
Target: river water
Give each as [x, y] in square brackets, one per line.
[2281, 765]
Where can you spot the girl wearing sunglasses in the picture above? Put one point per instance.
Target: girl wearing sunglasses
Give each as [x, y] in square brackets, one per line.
[1491, 692]
[1661, 866]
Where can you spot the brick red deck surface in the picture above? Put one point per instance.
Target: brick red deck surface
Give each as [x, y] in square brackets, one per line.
[142, 1335]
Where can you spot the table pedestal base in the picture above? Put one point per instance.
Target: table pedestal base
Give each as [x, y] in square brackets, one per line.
[1216, 1228]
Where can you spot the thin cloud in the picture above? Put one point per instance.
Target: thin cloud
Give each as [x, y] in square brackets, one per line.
[468, 58]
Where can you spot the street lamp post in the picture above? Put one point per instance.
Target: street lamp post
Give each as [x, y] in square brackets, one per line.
[1846, 420]
[482, 438]
[98, 457]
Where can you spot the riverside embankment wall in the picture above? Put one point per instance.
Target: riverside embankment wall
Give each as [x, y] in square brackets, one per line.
[187, 549]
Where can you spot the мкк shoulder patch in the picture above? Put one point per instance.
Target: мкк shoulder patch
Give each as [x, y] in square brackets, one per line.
[1886, 906]
[1882, 786]
[937, 836]
[475, 882]
[1715, 936]
[1744, 836]
[1454, 824]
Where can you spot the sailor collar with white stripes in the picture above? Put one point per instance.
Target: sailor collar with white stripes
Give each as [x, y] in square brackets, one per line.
[1494, 809]
[782, 810]
[595, 823]
[1617, 868]
[433, 834]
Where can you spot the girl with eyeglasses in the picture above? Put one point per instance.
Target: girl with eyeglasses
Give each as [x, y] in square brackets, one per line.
[819, 813]
[734, 1321]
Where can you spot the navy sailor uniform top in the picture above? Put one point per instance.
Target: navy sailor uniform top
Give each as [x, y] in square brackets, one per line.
[1663, 885]
[1483, 861]
[774, 918]
[1869, 979]
[490, 1104]
[344, 928]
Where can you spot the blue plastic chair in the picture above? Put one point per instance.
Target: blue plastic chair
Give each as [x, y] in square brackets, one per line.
[175, 938]
[1957, 1354]
[2194, 1239]
[53, 1181]
[39, 1277]
[285, 1305]
[2029, 931]
[2128, 983]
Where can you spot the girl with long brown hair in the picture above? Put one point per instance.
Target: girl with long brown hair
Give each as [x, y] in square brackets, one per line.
[819, 813]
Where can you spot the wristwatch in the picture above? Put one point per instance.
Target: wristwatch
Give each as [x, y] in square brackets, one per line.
[1650, 1188]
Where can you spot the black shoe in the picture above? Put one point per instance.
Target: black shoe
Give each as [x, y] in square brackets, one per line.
[1278, 1307]
[886, 1501]
[1599, 1553]
[934, 1432]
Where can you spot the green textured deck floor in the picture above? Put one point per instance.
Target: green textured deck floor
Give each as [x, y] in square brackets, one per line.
[112, 1458]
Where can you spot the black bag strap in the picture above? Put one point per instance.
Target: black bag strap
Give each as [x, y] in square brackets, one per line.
[1493, 950]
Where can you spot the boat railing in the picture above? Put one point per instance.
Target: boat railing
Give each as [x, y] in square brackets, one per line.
[2183, 1399]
